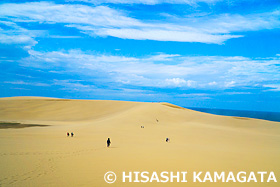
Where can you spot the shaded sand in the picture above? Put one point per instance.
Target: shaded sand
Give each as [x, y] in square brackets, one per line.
[6, 125]
[37, 156]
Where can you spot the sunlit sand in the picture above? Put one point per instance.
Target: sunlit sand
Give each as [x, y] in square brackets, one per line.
[35, 151]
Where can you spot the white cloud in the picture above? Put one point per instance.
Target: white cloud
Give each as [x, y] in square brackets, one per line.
[165, 35]
[237, 93]
[163, 57]
[19, 39]
[73, 85]
[161, 70]
[80, 86]
[212, 83]
[191, 83]
[230, 84]
[17, 35]
[47, 12]
[26, 83]
[176, 82]
[69, 83]
[104, 21]
[20, 89]
[274, 87]
[228, 23]
[195, 95]
[148, 2]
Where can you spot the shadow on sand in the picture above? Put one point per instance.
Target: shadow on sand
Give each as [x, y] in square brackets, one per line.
[8, 125]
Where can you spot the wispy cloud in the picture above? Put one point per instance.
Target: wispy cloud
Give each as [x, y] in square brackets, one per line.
[80, 86]
[200, 96]
[104, 21]
[14, 34]
[26, 83]
[237, 93]
[148, 2]
[203, 72]
[273, 87]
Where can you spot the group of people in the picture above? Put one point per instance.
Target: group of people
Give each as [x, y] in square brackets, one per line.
[68, 134]
[109, 141]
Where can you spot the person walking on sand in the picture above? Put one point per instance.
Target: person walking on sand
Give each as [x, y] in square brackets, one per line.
[67, 134]
[108, 142]
[72, 134]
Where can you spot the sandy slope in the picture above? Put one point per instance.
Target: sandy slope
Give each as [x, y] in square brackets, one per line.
[44, 156]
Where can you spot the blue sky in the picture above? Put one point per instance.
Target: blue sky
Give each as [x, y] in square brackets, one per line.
[193, 53]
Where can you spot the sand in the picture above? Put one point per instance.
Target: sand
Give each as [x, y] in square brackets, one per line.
[45, 156]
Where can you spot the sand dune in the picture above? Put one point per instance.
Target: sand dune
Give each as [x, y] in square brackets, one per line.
[44, 156]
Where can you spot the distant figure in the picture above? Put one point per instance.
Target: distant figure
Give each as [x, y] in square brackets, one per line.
[68, 134]
[167, 139]
[72, 134]
[142, 126]
[157, 120]
[108, 142]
